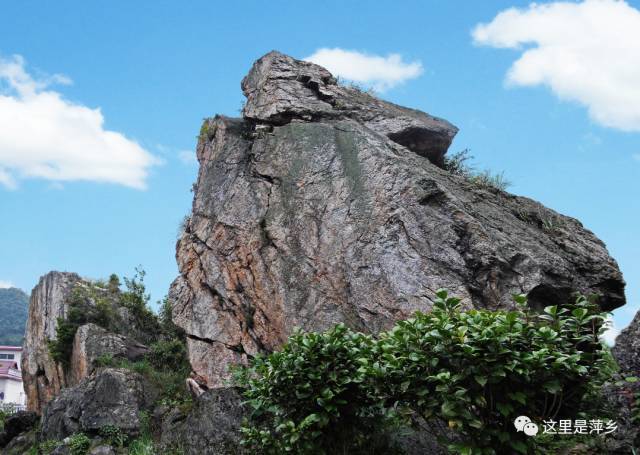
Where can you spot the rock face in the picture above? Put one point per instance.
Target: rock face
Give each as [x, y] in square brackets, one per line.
[91, 342]
[627, 348]
[17, 423]
[211, 428]
[43, 377]
[320, 207]
[622, 396]
[110, 397]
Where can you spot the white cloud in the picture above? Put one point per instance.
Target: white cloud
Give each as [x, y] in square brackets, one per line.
[380, 72]
[588, 52]
[636, 156]
[5, 284]
[44, 136]
[611, 333]
[187, 157]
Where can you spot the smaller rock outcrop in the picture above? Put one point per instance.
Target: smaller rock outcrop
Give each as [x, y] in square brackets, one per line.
[112, 397]
[43, 377]
[93, 342]
[56, 296]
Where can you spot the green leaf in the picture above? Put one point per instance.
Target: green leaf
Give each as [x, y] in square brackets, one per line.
[482, 380]
[504, 408]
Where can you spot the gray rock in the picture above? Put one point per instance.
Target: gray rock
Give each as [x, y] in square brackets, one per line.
[211, 428]
[280, 88]
[20, 444]
[325, 219]
[627, 348]
[102, 450]
[622, 396]
[110, 397]
[43, 377]
[16, 424]
[92, 342]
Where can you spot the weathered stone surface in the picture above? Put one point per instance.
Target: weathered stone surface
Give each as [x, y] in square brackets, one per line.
[627, 348]
[211, 428]
[17, 423]
[622, 396]
[280, 88]
[20, 444]
[91, 342]
[110, 397]
[102, 450]
[324, 219]
[43, 377]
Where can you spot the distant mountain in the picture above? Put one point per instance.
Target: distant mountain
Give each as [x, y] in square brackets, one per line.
[14, 304]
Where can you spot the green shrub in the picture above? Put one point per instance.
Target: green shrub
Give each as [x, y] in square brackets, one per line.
[46, 447]
[3, 416]
[310, 397]
[169, 355]
[136, 300]
[87, 303]
[474, 370]
[458, 164]
[479, 370]
[487, 178]
[142, 446]
[79, 444]
[113, 435]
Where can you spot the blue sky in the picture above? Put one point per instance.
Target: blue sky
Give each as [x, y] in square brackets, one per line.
[156, 69]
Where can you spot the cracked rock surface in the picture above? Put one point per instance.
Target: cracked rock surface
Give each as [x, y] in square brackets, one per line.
[325, 205]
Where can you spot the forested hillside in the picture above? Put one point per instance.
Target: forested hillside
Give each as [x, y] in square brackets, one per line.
[14, 304]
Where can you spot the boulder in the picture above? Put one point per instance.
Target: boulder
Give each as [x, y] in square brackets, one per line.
[21, 444]
[92, 342]
[17, 423]
[211, 428]
[110, 397]
[317, 208]
[43, 377]
[280, 88]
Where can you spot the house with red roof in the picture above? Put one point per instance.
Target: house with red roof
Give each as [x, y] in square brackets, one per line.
[11, 389]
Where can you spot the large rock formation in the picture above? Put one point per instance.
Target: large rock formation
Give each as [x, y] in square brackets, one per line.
[44, 378]
[320, 207]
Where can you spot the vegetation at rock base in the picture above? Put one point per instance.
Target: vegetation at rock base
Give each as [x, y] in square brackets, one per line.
[458, 164]
[14, 306]
[475, 371]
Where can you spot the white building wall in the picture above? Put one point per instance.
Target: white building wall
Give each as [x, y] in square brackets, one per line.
[13, 391]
